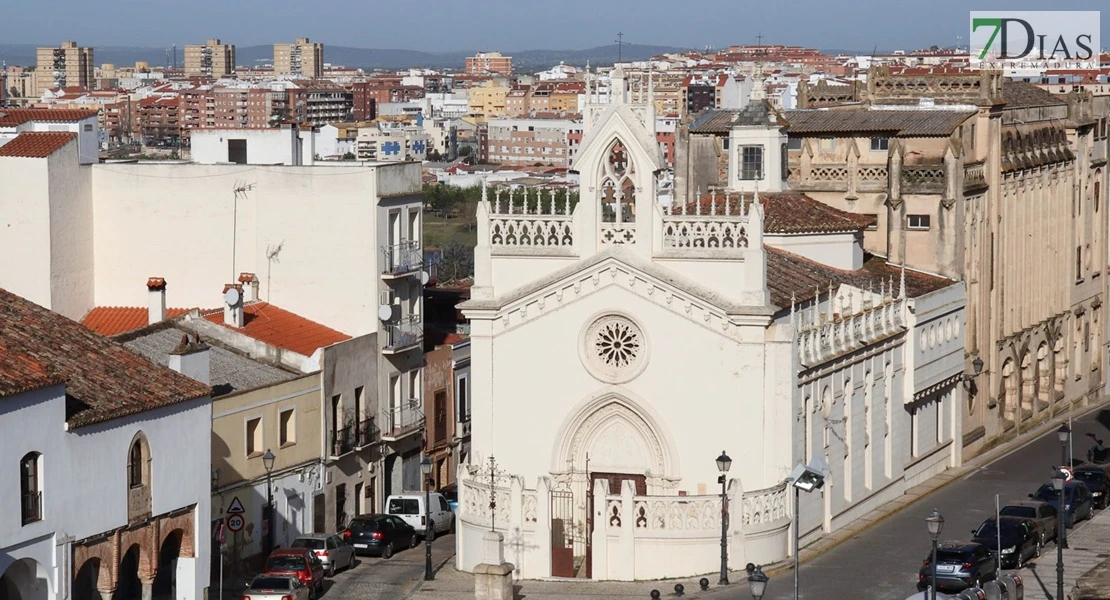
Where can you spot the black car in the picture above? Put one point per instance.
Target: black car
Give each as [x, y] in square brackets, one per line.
[960, 565]
[1097, 480]
[379, 534]
[1019, 538]
[1077, 501]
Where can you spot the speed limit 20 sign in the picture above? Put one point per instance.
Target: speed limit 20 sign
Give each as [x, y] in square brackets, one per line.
[235, 522]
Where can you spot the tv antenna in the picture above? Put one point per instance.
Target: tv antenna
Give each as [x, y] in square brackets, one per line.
[620, 46]
[240, 189]
[271, 258]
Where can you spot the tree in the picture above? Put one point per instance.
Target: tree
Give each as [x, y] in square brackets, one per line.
[348, 156]
[457, 261]
[433, 155]
[465, 151]
[13, 92]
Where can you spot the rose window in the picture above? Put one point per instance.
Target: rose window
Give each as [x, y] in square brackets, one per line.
[614, 349]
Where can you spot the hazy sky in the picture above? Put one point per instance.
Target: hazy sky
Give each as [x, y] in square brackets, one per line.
[507, 25]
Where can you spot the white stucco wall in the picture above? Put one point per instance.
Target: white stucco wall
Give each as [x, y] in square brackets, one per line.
[279, 146]
[838, 250]
[71, 237]
[25, 220]
[87, 135]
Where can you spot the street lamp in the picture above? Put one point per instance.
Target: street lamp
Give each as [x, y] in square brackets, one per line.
[1064, 435]
[426, 469]
[723, 464]
[805, 478]
[758, 582]
[268, 462]
[1058, 481]
[935, 522]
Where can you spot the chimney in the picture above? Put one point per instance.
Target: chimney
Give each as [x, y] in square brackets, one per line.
[156, 300]
[190, 358]
[233, 305]
[250, 286]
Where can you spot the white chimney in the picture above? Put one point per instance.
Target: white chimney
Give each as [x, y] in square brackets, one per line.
[250, 286]
[190, 358]
[156, 300]
[233, 305]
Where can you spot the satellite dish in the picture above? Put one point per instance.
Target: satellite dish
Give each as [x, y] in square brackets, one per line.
[424, 278]
[231, 296]
[385, 312]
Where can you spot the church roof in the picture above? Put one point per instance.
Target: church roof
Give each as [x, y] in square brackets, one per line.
[621, 120]
[786, 212]
[896, 123]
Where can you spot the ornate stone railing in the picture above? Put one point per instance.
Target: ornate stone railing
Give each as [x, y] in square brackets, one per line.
[529, 507]
[531, 218]
[923, 180]
[769, 506]
[823, 335]
[711, 222]
[678, 513]
[618, 233]
[827, 177]
[975, 175]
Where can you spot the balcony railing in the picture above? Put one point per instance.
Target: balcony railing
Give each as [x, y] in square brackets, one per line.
[32, 507]
[403, 335]
[342, 441]
[367, 433]
[403, 258]
[403, 420]
[923, 180]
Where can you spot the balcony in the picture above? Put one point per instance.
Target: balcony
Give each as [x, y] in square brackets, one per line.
[403, 335]
[342, 442]
[366, 433]
[403, 421]
[32, 507]
[399, 260]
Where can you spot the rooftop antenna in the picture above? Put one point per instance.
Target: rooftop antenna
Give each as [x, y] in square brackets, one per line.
[759, 44]
[240, 189]
[620, 46]
[271, 258]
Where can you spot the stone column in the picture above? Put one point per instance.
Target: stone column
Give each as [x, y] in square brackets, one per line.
[543, 528]
[148, 589]
[628, 532]
[493, 578]
[106, 594]
[599, 538]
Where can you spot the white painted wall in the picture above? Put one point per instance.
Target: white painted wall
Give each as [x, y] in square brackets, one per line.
[838, 250]
[25, 213]
[71, 237]
[87, 135]
[279, 146]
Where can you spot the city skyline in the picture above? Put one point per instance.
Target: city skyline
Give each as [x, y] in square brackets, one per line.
[505, 25]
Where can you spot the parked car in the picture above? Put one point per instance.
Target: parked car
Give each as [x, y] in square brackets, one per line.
[410, 507]
[451, 492]
[331, 549]
[960, 565]
[1077, 501]
[1097, 478]
[300, 563]
[379, 534]
[276, 587]
[1019, 538]
[1041, 512]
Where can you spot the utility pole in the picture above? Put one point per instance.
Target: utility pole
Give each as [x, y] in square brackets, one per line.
[620, 44]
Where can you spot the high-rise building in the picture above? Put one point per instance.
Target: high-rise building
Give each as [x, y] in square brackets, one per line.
[64, 66]
[485, 63]
[302, 58]
[212, 59]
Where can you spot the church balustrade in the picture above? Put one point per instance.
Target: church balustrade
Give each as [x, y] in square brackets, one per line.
[824, 334]
[524, 217]
[923, 179]
[836, 177]
[975, 176]
[766, 508]
[720, 222]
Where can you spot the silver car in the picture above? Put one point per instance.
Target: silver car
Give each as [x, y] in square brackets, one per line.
[276, 587]
[331, 549]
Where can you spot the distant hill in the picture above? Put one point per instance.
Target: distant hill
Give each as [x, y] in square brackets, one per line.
[366, 58]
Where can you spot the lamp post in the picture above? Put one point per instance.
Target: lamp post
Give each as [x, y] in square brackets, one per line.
[723, 464]
[804, 479]
[935, 522]
[268, 462]
[1058, 481]
[1064, 435]
[757, 581]
[426, 469]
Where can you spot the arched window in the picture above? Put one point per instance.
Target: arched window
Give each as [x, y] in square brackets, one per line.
[30, 491]
[138, 474]
[618, 196]
[1097, 190]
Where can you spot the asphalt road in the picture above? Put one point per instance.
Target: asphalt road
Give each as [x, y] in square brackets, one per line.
[882, 562]
[377, 579]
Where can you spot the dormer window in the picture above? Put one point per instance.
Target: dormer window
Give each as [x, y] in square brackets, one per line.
[751, 163]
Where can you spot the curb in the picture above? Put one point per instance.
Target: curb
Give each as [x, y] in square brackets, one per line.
[418, 584]
[996, 453]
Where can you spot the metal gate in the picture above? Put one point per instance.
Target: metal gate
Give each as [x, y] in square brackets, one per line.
[562, 533]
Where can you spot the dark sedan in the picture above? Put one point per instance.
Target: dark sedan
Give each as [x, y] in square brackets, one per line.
[379, 534]
[1019, 539]
[1098, 481]
[960, 565]
[1077, 501]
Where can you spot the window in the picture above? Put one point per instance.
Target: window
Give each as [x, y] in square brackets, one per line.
[1098, 185]
[794, 143]
[414, 384]
[29, 493]
[136, 467]
[880, 144]
[827, 144]
[917, 221]
[287, 434]
[751, 163]
[462, 393]
[724, 143]
[88, 128]
[254, 436]
[1079, 263]
[874, 226]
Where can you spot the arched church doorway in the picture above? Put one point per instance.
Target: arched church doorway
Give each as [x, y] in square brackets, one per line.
[128, 587]
[25, 579]
[165, 582]
[84, 583]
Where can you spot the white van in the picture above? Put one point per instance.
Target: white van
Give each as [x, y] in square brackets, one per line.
[410, 507]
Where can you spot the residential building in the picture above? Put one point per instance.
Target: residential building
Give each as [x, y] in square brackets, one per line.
[15, 122]
[160, 120]
[392, 144]
[823, 352]
[302, 58]
[211, 59]
[488, 100]
[66, 65]
[337, 140]
[318, 103]
[487, 63]
[526, 142]
[102, 497]
[721, 90]
[364, 105]
[285, 145]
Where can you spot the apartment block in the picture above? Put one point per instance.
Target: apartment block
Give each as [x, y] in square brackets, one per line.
[212, 59]
[302, 58]
[527, 142]
[485, 63]
[66, 65]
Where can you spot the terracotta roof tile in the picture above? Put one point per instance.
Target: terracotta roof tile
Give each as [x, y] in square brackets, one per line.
[1019, 94]
[22, 373]
[37, 144]
[786, 212]
[114, 320]
[10, 117]
[278, 327]
[103, 379]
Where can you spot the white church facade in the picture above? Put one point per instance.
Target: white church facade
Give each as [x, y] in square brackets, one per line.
[619, 343]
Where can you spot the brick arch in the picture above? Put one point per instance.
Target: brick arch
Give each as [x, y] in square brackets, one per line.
[184, 523]
[144, 538]
[106, 553]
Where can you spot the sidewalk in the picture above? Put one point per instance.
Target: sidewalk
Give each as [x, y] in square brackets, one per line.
[1088, 547]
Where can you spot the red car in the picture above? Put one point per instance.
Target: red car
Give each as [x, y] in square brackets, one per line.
[300, 563]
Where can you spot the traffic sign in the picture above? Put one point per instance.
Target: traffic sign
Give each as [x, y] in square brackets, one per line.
[1068, 474]
[236, 507]
[221, 536]
[235, 522]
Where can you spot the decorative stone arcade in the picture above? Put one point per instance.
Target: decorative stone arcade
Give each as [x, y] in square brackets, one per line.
[138, 561]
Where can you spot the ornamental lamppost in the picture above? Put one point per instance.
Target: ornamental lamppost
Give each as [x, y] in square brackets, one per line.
[1058, 481]
[1064, 435]
[426, 469]
[757, 581]
[268, 463]
[723, 464]
[935, 522]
